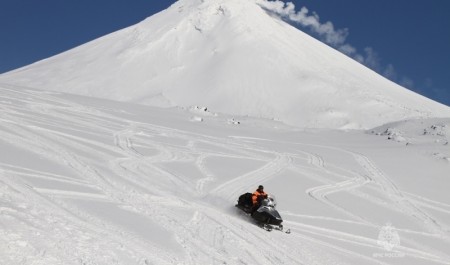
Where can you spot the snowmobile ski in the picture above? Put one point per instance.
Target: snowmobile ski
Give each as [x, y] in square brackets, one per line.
[267, 227]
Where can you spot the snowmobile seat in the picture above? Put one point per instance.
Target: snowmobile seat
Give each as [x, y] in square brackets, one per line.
[245, 202]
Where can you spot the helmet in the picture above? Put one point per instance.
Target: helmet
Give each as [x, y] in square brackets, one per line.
[260, 187]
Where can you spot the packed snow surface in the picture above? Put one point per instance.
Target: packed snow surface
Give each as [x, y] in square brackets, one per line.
[236, 57]
[91, 181]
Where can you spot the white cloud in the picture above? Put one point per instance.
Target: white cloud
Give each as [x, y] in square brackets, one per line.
[347, 49]
[407, 82]
[326, 30]
[334, 37]
[371, 59]
[390, 72]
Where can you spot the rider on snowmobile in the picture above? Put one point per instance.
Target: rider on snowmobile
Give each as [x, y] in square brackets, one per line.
[257, 197]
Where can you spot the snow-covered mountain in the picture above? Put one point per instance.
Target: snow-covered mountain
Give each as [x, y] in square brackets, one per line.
[234, 57]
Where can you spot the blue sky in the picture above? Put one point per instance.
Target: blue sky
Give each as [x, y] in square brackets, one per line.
[405, 40]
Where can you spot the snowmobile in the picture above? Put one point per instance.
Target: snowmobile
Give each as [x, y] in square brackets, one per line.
[266, 215]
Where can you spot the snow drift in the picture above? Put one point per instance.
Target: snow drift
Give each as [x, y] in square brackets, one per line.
[235, 57]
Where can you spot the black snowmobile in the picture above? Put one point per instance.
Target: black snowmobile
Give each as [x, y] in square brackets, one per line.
[266, 215]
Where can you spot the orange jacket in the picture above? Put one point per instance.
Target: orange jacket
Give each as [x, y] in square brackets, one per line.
[255, 196]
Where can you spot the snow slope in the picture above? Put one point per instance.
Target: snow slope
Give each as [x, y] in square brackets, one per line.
[234, 57]
[91, 181]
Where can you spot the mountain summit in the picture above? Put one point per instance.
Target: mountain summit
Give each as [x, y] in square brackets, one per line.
[233, 56]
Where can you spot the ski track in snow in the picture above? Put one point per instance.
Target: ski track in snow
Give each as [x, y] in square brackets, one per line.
[79, 160]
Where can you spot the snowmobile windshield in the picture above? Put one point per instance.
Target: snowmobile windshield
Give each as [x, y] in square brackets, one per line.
[272, 199]
[269, 201]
